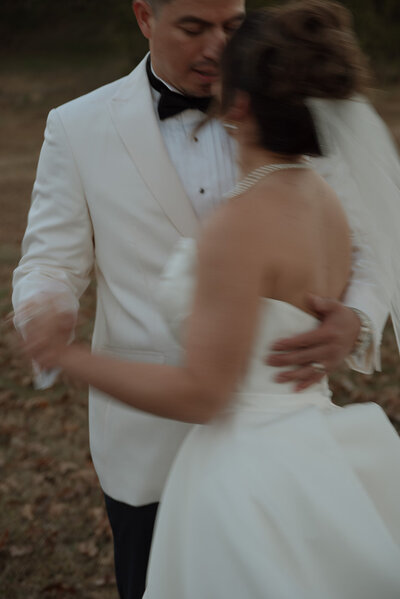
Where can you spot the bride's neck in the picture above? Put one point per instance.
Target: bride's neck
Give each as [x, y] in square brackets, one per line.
[252, 156]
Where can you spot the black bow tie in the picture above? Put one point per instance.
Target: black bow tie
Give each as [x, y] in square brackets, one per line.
[172, 103]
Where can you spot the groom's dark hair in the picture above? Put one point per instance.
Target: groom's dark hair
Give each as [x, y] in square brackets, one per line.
[156, 4]
[284, 55]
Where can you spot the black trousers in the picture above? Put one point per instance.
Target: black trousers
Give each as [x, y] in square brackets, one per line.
[132, 529]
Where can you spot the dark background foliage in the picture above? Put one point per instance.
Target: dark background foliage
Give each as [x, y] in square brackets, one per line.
[30, 28]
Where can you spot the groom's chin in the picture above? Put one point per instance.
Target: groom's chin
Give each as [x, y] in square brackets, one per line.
[201, 86]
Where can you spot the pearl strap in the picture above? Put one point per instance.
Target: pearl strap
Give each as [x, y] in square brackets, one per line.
[258, 174]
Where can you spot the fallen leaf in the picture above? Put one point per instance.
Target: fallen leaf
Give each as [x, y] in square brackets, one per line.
[20, 550]
[57, 509]
[70, 427]
[38, 448]
[17, 443]
[107, 560]
[59, 586]
[36, 403]
[27, 512]
[6, 395]
[65, 467]
[43, 463]
[11, 484]
[97, 513]
[26, 381]
[88, 548]
[105, 581]
[86, 474]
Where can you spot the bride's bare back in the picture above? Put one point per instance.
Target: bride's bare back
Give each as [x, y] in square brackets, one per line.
[311, 249]
[291, 233]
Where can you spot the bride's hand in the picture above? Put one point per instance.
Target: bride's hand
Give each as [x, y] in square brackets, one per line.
[47, 335]
[320, 351]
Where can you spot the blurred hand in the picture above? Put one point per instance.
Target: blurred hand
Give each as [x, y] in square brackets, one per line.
[47, 331]
[328, 345]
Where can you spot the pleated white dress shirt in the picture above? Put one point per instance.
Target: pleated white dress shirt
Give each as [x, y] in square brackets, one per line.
[205, 162]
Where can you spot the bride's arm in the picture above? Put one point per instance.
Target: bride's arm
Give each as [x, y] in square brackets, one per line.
[218, 339]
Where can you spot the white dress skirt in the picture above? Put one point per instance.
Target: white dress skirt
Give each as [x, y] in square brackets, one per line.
[284, 495]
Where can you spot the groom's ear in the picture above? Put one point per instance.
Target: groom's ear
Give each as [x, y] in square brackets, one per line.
[145, 17]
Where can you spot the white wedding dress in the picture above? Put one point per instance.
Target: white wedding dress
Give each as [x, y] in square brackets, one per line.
[284, 495]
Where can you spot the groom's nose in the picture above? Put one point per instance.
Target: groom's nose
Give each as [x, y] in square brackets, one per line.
[214, 44]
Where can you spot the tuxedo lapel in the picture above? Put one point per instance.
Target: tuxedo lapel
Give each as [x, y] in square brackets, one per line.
[133, 115]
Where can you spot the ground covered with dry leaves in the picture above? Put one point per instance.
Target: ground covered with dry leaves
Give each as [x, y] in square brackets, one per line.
[54, 536]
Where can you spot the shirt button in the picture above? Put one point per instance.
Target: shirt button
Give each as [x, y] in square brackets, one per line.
[202, 190]
[196, 139]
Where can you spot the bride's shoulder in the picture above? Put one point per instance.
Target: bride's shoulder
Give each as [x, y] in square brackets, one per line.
[234, 220]
[333, 209]
[235, 234]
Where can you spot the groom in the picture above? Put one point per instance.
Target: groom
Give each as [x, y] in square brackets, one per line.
[120, 179]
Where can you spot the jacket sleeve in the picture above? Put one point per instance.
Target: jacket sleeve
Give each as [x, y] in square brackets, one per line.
[57, 249]
[364, 289]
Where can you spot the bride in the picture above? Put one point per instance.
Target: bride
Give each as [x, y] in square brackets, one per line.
[275, 493]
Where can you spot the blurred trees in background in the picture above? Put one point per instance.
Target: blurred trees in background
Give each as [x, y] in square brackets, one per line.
[99, 27]
[68, 28]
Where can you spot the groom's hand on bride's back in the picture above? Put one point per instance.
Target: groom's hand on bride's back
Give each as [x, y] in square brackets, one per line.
[313, 354]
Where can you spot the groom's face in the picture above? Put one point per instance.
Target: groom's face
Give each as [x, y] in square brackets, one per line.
[187, 37]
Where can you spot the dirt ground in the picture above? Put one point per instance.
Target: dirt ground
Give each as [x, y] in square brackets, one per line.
[55, 540]
[54, 536]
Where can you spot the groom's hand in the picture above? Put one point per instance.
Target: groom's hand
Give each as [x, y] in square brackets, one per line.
[45, 329]
[315, 353]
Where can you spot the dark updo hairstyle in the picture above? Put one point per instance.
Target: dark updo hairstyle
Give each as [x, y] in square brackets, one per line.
[283, 55]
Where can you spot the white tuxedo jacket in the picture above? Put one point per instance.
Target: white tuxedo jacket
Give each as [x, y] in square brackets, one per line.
[107, 195]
